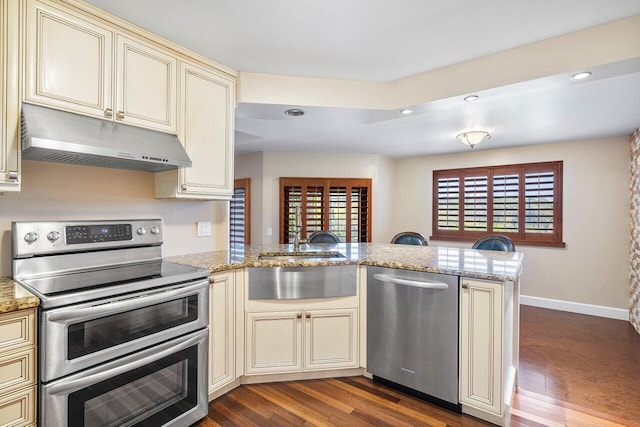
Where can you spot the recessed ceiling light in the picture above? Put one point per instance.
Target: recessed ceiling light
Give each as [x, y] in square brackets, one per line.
[294, 112]
[580, 76]
[471, 98]
[406, 111]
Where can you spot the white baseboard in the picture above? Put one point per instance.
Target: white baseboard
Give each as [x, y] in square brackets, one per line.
[576, 307]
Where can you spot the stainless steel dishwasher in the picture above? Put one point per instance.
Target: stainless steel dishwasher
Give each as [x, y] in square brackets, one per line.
[412, 332]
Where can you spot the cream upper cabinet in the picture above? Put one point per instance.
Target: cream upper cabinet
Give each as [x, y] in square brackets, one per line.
[9, 96]
[146, 80]
[69, 60]
[206, 116]
[221, 330]
[70, 63]
[487, 373]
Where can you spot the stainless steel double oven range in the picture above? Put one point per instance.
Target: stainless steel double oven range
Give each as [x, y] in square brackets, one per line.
[123, 336]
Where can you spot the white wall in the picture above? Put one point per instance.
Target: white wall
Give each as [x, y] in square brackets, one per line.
[53, 191]
[280, 164]
[594, 267]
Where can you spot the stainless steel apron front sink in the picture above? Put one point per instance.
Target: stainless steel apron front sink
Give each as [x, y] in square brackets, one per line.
[302, 282]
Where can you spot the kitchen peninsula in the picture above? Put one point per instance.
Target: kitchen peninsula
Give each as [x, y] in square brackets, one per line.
[488, 318]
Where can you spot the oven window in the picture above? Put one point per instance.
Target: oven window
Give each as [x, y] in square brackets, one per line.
[104, 332]
[147, 396]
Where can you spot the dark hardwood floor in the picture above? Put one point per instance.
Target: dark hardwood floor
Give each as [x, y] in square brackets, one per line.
[575, 370]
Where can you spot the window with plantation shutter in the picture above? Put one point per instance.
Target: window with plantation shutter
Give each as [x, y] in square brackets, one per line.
[523, 202]
[239, 214]
[339, 205]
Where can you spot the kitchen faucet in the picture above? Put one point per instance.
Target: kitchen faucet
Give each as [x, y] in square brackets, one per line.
[297, 226]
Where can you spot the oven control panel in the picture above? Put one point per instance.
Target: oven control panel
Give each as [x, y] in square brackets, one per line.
[76, 234]
[35, 238]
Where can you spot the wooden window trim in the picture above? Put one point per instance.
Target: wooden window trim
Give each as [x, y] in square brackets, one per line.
[326, 184]
[521, 237]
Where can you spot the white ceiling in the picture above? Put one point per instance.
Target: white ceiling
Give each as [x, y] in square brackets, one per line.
[386, 40]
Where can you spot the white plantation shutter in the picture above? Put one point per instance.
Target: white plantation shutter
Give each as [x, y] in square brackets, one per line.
[239, 214]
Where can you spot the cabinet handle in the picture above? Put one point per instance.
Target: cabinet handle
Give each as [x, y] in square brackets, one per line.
[13, 175]
[308, 316]
[465, 285]
[211, 281]
[183, 187]
[299, 316]
[120, 115]
[108, 113]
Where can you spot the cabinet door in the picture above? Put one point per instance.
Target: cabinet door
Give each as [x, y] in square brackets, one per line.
[206, 118]
[68, 60]
[331, 339]
[273, 342]
[221, 330]
[146, 82]
[481, 345]
[9, 97]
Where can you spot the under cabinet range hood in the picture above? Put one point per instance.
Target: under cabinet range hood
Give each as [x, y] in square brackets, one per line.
[58, 136]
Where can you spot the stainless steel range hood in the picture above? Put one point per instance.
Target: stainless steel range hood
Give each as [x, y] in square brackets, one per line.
[58, 136]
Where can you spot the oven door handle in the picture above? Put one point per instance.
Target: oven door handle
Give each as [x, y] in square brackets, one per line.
[82, 382]
[96, 311]
[413, 283]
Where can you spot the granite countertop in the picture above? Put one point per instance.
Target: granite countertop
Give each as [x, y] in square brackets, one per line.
[491, 265]
[14, 297]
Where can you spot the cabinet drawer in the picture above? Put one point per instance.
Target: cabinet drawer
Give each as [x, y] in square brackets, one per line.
[17, 329]
[17, 370]
[18, 409]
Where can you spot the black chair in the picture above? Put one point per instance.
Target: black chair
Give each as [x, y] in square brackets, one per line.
[323, 237]
[494, 242]
[410, 238]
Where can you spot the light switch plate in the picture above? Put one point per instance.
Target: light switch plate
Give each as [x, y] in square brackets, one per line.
[204, 228]
[269, 231]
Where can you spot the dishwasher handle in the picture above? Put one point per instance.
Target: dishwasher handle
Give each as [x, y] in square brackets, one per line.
[413, 283]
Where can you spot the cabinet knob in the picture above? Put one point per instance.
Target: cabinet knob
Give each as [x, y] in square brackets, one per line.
[464, 285]
[108, 113]
[120, 115]
[183, 187]
[299, 316]
[13, 175]
[211, 281]
[308, 316]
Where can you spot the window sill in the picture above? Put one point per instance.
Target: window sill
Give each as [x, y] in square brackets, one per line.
[515, 242]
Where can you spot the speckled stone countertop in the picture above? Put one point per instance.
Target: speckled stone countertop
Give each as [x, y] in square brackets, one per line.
[491, 265]
[14, 297]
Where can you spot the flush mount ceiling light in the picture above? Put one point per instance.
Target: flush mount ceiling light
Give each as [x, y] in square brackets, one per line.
[294, 112]
[580, 76]
[474, 137]
[406, 111]
[471, 98]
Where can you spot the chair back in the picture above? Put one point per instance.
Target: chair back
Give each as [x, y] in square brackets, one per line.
[410, 238]
[495, 242]
[323, 236]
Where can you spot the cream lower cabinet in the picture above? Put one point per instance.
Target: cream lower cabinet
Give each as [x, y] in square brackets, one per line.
[486, 372]
[77, 63]
[9, 96]
[222, 330]
[206, 130]
[301, 340]
[18, 380]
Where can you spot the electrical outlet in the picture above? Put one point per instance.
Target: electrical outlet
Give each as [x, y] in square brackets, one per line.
[269, 231]
[204, 228]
